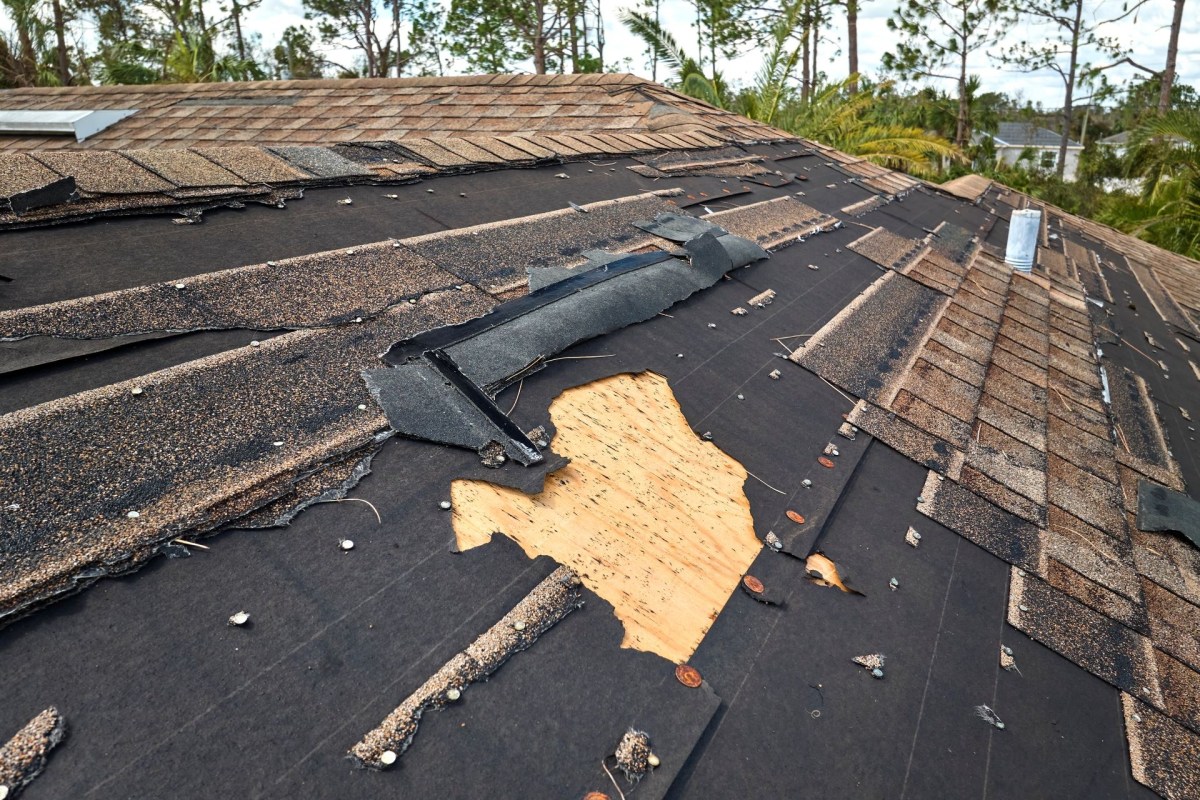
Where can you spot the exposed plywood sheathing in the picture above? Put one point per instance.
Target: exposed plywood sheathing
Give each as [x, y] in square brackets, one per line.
[652, 518]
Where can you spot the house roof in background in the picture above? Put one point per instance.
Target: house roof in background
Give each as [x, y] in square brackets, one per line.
[1024, 134]
[880, 406]
[283, 113]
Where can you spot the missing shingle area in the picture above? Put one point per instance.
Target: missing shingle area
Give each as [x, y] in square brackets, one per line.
[654, 519]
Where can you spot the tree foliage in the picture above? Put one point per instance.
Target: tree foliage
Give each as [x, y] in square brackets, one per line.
[939, 37]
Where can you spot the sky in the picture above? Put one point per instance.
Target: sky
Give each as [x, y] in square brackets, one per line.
[1146, 35]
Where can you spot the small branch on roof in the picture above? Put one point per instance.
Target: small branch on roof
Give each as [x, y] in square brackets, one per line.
[1121, 434]
[577, 358]
[357, 500]
[516, 399]
[192, 544]
[764, 483]
[839, 391]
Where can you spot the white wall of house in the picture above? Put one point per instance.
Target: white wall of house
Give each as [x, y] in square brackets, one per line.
[1045, 158]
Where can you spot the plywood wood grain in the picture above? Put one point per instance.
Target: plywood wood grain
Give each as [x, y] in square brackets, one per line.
[652, 518]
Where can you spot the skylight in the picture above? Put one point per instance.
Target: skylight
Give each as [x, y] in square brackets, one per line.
[81, 124]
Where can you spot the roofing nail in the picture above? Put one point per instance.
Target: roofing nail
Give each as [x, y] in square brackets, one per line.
[444, 505]
[346, 544]
[240, 618]
[387, 757]
[688, 675]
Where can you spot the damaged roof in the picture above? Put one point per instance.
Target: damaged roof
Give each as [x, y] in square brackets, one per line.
[623, 446]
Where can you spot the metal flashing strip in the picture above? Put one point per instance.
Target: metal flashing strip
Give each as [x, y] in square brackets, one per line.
[78, 123]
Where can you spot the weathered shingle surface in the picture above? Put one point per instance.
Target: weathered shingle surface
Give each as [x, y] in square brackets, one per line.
[369, 110]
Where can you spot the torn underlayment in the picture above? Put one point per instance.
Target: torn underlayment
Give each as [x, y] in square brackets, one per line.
[444, 382]
[24, 756]
[551, 600]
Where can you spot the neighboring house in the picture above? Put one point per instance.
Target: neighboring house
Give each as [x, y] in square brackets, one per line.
[1119, 143]
[1014, 140]
[680, 457]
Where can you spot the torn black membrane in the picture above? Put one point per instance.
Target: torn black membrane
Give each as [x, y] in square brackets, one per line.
[443, 384]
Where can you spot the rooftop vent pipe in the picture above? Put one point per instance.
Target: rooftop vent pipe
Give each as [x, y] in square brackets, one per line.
[1023, 230]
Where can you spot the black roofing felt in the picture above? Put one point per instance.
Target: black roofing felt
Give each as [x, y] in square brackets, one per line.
[337, 638]
[163, 698]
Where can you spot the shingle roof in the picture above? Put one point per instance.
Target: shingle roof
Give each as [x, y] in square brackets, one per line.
[1025, 134]
[754, 449]
[195, 145]
[327, 112]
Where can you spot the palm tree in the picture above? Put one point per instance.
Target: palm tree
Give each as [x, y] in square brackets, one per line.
[688, 75]
[841, 118]
[1165, 152]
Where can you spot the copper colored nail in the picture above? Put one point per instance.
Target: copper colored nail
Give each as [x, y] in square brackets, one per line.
[688, 676]
[825, 462]
[795, 517]
[753, 584]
